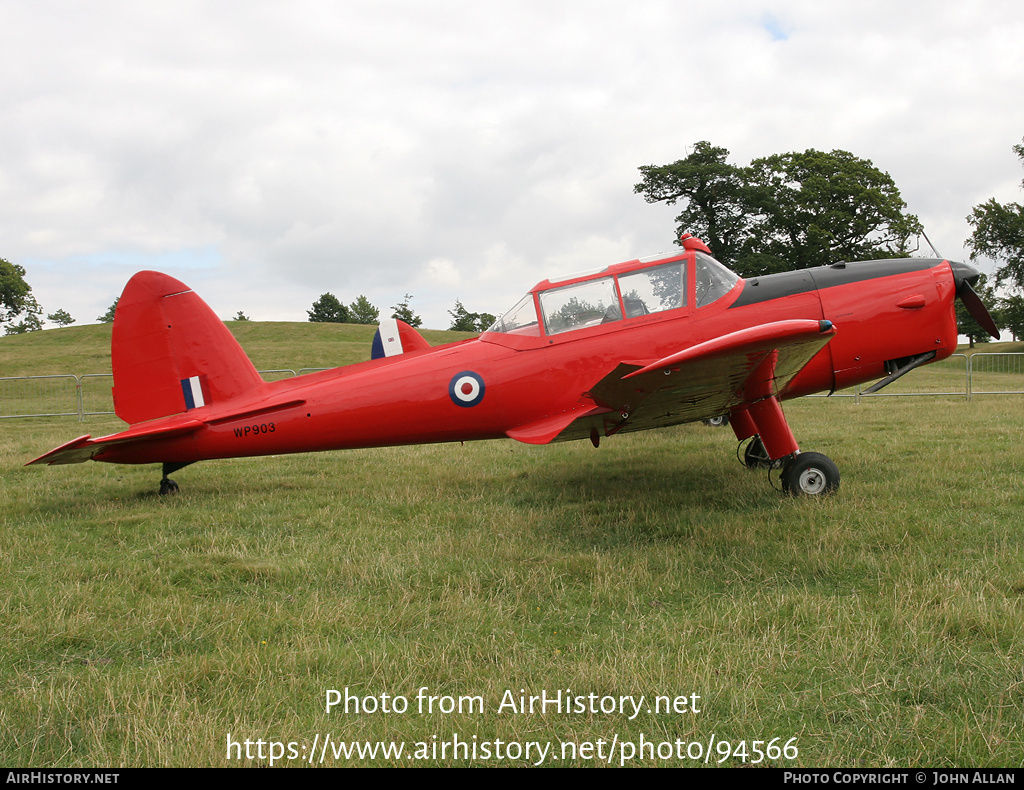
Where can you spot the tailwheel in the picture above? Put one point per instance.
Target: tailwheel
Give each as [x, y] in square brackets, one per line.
[810, 474]
[168, 486]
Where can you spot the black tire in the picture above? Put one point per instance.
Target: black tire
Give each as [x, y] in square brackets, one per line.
[718, 422]
[810, 474]
[755, 456]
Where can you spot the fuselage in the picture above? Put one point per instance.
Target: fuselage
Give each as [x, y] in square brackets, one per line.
[524, 372]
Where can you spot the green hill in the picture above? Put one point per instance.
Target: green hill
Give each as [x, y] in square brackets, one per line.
[270, 345]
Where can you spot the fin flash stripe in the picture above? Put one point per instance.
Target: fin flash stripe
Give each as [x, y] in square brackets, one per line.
[193, 391]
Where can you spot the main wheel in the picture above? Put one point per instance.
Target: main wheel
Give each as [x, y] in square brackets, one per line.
[168, 486]
[755, 456]
[810, 474]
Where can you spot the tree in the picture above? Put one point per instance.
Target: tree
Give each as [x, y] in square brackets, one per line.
[60, 318]
[816, 208]
[31, 322]
[328, 310]
[404, 313]
[999, 234]
[1010, 315]
[108, 316]
[713, 195]
[465, 321]
[240, 316]
[15, 293]
[785, 211]
[362, 312]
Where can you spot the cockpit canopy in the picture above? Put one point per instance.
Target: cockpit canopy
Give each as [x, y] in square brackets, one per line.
[625, 291]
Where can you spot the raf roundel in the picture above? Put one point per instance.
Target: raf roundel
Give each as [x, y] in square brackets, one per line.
[466, 388]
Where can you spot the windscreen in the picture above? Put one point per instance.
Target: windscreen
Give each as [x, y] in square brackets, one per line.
[713, 280]
[520, 320]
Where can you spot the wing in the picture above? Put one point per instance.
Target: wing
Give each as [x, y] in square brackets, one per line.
[697, 383]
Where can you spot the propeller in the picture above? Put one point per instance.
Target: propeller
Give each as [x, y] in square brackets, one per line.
[964, 275]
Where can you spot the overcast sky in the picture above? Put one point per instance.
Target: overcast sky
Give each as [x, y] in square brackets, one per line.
[268, 152]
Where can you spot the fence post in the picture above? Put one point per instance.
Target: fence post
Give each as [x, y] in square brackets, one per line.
[970, 377]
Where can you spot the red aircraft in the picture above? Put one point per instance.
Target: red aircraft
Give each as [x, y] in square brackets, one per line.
[643, 344]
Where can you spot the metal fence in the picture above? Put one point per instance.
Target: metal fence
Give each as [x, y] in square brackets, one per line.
[996, 374]
[951, 376]
[90, 394]
[68, 395]
[41, 396]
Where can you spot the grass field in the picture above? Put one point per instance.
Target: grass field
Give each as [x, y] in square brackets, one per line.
[881, 627]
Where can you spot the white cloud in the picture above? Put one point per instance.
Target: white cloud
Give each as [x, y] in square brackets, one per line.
[317, 146]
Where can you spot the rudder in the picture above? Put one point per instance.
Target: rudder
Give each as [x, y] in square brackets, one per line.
[170, 353]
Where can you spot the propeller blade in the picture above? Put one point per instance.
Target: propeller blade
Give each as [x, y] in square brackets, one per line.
[977, 308]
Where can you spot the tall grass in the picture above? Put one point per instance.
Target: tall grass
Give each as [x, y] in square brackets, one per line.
[881, 627]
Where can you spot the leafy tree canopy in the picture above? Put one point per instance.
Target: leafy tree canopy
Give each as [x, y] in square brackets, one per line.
[328, 310]
[404, 313]
[15, 293]
[362, 312]
[240, 316]
[31, 322]
[1009, 314]
[712, 193]
[786, 211]
[486, 321]
[108, 316]
[60, 318]
[465, 321]
[818, 208]
[999, 234]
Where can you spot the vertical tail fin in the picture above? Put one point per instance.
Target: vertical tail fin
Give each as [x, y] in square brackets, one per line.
[395, 337]
[170, 353]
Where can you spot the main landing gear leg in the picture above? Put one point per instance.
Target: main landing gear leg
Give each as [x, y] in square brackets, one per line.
[168, 486]
[772, 442]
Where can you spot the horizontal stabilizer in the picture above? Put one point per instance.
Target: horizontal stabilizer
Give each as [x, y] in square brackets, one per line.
[395, 337]
[84, 448]
[68, 453]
